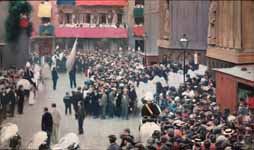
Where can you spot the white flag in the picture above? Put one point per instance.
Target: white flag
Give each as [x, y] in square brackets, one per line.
[71, 58]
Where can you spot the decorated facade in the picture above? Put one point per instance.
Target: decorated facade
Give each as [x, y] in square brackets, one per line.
[99, 24]
[230, 34]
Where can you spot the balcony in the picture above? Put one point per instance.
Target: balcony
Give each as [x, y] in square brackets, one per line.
[97, 32]
[46, 30]
[101, 2]
[138, 12]
[138, 31]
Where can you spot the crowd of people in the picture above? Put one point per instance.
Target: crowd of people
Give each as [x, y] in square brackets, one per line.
[191, 119]
[112, 78]
[13, 93]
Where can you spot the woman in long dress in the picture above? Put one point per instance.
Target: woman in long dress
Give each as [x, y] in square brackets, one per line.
[31, 99]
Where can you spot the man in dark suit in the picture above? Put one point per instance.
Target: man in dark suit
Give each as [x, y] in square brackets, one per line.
[12, 100]
[80, 116]
[54, 77]
[67, 102]
[21, 98]
[47, 124]
[4, 102]
[72, 76]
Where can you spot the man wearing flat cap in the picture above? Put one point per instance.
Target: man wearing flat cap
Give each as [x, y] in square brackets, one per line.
[113, 145]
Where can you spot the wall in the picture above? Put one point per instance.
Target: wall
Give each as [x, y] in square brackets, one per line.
[190, 18]
[36, 20]
[152, 22]
[226, 91]
[3, 14]
[131, 4]
[248, 25]
[234, 30]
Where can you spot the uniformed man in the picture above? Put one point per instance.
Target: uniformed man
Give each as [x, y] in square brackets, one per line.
[150, 110]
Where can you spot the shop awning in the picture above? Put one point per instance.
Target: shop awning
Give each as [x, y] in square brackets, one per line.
[65, 2]
[66, 32]
[101, 2]
[138, 31]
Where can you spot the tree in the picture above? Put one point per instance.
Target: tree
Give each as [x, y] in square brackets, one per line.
[18, 20]
[18, 29]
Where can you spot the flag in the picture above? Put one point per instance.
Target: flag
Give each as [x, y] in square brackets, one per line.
[71, 58]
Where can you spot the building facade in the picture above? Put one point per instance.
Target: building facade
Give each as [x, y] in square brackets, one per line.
[230, 37]
[100, 24]
[165, 23]
[136, 25]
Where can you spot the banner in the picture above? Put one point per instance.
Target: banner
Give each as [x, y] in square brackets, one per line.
[44, 10]
[71, 58]
[45, 46]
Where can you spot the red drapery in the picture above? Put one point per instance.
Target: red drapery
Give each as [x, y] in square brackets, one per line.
[138, 31]
[101, 2]
[65, 32]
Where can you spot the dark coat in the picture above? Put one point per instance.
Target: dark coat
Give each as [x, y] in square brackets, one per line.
[133, 95]
[79, 96]
[54, 75]
[28, 74]
[11, 97]
[47, 122]
[80, 114]
[21, 95]
[114, 146]
[67, 100]
[4, 99]
[154, 108]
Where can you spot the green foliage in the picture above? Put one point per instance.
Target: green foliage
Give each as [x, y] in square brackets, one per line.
[12, 26]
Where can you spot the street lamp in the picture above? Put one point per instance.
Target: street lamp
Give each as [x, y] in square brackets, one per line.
[184, 43]
[146, 40]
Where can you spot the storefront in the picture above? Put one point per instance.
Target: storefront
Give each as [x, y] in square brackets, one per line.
[233, 84]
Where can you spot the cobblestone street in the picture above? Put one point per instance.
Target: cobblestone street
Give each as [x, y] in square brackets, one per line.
[96, 130]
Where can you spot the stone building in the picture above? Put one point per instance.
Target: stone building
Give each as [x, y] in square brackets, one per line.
[136, 25]
[3, 14]
[165, 23]
[231, 38]
[97, 24]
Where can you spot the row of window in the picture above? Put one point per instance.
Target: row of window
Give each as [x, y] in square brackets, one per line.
[139, 44]
[139, 20]
[69, 18]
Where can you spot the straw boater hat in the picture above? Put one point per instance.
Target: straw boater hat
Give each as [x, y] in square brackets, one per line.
[228, 131]
[28, 65]
[197, 140]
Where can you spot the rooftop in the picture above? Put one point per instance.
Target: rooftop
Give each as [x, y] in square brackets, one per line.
[245, 72]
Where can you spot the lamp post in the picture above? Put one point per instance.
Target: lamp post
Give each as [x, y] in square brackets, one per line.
[146, 40]
[184, 43]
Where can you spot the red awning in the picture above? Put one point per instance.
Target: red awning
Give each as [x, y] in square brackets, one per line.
[66, 32]
[101, 2]
[139, 31]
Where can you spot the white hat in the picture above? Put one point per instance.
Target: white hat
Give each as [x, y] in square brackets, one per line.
[177, 98]
[148, 96]
[28, 64]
